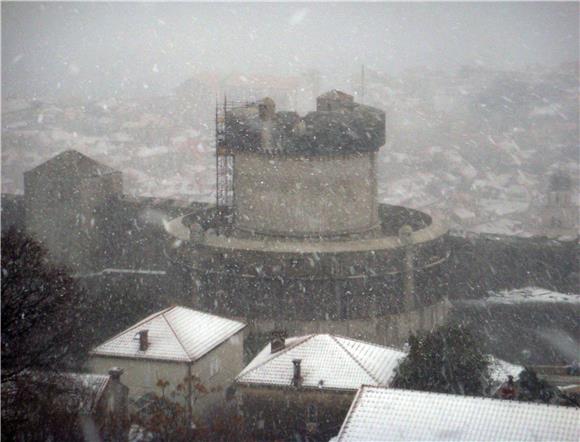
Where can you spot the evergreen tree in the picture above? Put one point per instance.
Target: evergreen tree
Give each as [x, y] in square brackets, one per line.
[46, 327]
[45, 316]
[447, 360]
[532, 388]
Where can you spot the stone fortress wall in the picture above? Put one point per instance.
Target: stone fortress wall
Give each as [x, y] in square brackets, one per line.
[298, 196]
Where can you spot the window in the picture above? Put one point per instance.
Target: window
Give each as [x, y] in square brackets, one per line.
[260, 422]
[214, 367]
[312, 413]
[236, 339]
[345, 304]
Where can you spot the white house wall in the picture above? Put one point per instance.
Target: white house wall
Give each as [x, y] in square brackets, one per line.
[142, 375]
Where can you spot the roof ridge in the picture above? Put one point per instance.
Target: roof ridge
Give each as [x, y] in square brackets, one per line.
[207, 314]
[353, 405]
[368, 343]
[74, 155]
[355, 359]
[479, 398]
[278, 353]
[100, 392]
[175, 333]
[134, 326]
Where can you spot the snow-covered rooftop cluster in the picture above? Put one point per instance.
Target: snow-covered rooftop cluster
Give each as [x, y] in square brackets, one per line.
[338, 363]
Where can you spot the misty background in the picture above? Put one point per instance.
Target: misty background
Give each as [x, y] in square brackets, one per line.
[104, 49]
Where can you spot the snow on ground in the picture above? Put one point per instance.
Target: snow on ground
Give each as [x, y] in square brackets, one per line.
[531, 294]
[501, 207]
[502, 226]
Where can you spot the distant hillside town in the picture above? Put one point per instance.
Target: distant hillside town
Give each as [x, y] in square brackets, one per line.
[476, 144]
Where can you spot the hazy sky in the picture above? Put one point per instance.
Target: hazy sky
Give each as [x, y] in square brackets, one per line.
[107, 48]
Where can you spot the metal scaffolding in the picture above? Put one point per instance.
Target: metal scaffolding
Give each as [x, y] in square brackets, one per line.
[224, 161]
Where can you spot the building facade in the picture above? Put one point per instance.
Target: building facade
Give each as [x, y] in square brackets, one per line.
[303, 386]
[62, 197]
[560, 215]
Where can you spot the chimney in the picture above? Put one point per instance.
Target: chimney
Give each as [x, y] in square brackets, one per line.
[297, 378]
[143, 340]
[117, 404]
[115, 373]
[267, 113]
[277, 340]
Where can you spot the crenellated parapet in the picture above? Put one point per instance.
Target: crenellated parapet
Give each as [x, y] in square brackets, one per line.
[338, 126]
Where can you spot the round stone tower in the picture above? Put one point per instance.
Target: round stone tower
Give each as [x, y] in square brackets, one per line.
[297, 239]
[560, 212]
[311, 177]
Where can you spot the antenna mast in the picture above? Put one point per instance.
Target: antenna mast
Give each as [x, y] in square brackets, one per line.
[362, 84]
[224, 162]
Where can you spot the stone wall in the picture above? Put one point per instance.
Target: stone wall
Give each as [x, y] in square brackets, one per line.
[524, 333]
[12, 212]
[275, 412]
[60, 212]
[480, 263]
[390, 330]
[561, 215]
[141, 375]
[337, 127]
[297, 196]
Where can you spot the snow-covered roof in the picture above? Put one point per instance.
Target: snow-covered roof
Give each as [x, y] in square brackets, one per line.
[90, 389]
[502, 207]
[122, 271]
[334, 94]
[328, 362]
[74, 162]
[387, 414]
[499, 370]
[531, 294]
[463, 213]
[173, 334]
[81, 392]
[502, 226]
